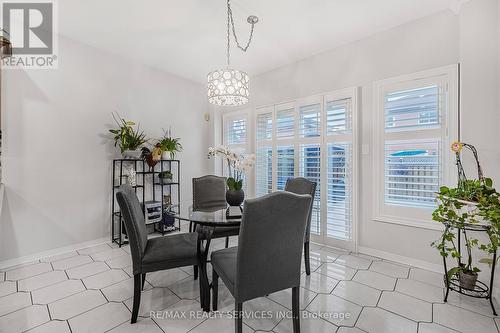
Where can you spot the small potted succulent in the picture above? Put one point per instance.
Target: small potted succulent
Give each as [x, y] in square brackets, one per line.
[169, 145]
[127, 138]
[165, 177]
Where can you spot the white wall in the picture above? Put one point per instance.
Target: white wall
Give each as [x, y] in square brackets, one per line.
[57, 159]
[434, 41]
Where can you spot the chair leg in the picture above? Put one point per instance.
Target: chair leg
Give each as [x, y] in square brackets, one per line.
[137, 297]
[227, 242]
[295, 310]
[143, 280]
[306, 258]
[195, 268]
[238, 328]
[215, 289]
[190, 226]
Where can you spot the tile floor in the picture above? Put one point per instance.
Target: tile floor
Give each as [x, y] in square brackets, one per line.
[89, 290]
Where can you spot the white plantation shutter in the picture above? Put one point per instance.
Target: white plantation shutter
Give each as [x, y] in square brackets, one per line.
[264, 126]
[338, 116]
[339, 184]
[235, 131]
[310, 120]
[413, 108]
[264, 171]
[285, 123]
[285, 164]
[412, 172]
[310, 168]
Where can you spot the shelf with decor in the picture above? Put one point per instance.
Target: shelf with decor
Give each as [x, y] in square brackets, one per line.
[157, 188]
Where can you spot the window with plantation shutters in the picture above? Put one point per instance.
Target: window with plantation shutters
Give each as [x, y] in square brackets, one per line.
[314, 138]
[235, 131]
[417, 121]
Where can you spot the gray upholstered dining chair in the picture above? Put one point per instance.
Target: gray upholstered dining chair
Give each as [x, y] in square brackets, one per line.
[301, 185]
[155, 254]
[268, 256]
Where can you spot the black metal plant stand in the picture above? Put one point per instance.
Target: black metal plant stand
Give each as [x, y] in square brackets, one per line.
[481, 290]
[149, 187]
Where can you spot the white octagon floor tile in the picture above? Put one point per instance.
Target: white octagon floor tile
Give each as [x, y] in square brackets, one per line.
[335, 310]
[155, 299]
[24, 319]
[71, 306]
[463, 320]
[2, 276]
[420, 290]
[7, 288]
[108, 254]
[314, 264]
[318, 283]
[57, 291]
[224, 324]
[54, 326]
[71, 262]
[284, 298]
[266, 323]
[322, 256]
[375, 320]
[59, 256]
[42, 280]
[120, 262]
[94, 249]
[307, 324]
[89, 269]
[406, 306]
[122, 291]
[390, 269]
[142, 326]
[100, 319]
[189, 288]
[357, 293]
[433, 328]
[14, 302]
[171, 320]
[166, 277]
[350, 330]
[375, 280]
[422, 275]
[353, 261]
[479, 305]
[336, 271]
[105, 279]
[24, 272]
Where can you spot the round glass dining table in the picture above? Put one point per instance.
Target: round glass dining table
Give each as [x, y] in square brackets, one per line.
[206, 220]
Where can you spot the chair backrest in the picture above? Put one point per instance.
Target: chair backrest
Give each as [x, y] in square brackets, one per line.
[270, 244]
[133, 218]
[301, 185]
[209, 192]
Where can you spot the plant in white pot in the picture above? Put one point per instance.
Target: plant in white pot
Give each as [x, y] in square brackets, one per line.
[129, 140]
[169, 145]
[237, 166]
[474, 203]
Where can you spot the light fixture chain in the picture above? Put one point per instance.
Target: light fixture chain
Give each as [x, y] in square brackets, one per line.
[230, 18]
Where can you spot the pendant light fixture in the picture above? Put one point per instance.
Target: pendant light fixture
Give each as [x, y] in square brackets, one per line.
[229, 86]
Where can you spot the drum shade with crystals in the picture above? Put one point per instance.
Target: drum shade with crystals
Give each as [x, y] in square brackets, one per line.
[228, 87]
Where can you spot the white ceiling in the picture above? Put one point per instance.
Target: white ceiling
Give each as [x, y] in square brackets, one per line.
[187, 37]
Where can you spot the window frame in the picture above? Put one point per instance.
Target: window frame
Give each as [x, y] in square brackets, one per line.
[446, 133]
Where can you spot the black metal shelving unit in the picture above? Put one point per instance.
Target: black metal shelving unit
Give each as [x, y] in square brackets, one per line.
[481, 290]
[148, 187]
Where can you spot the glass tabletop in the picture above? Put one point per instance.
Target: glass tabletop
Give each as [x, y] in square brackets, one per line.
[216, 216]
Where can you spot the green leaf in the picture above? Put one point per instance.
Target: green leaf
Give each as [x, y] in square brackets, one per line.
[453, 272]
[231, 184]
[488, 182]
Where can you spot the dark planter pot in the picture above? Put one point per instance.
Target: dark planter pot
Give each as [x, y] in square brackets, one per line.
[467, 280]
[235, 198]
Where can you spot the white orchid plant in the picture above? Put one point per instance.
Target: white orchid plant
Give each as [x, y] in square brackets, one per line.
[237, 165]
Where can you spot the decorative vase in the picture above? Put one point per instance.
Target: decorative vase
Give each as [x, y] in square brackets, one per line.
[235, 197]
[165, 155]
[132, 154]
[467, 280]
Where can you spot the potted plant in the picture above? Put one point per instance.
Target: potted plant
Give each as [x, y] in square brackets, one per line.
[165, 177]
[169, 145]
[237, 166]
[473, 203]
[127, 138]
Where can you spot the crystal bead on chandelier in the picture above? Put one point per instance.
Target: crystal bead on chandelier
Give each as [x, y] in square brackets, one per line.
[229, 86]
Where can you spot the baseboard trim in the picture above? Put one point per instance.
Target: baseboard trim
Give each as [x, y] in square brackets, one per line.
[401, 259]
[49, 253]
